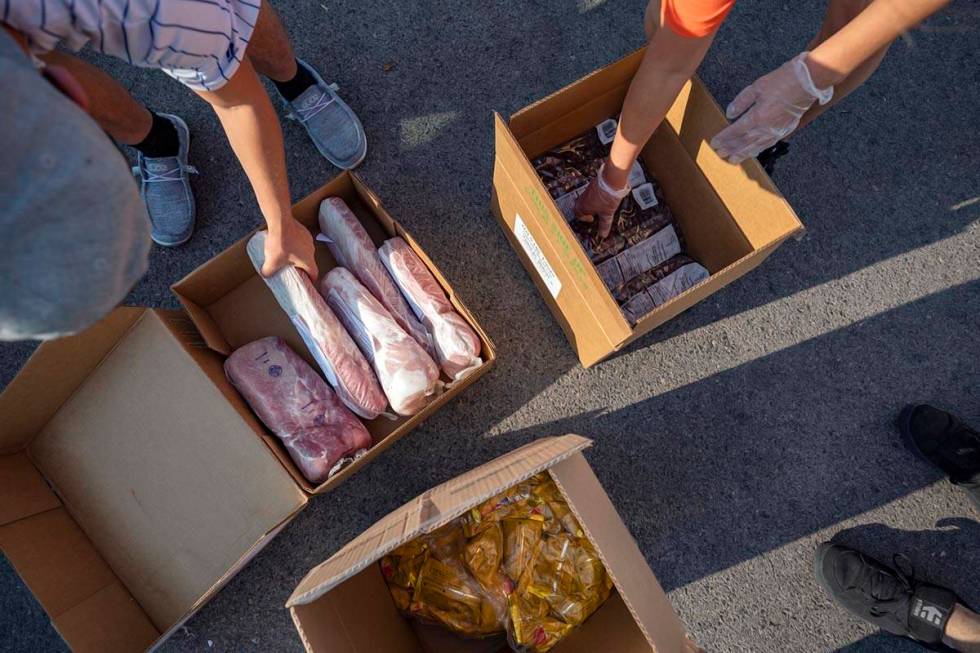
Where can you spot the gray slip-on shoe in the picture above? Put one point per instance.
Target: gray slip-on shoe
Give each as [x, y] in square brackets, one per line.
[332, 125]
[166, 189]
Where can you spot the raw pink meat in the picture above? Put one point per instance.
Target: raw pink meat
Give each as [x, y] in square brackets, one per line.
[407, 373]
[353, 248]
[291, 399]
[457, 345]
[339, 358]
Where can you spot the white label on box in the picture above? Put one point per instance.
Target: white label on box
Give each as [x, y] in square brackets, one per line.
[637, 178]
[607, 131]
[533, 251]
[566, 203]
[645, 196]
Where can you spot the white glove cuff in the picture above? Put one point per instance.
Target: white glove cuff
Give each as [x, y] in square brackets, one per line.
[606, 188]
[823, 96]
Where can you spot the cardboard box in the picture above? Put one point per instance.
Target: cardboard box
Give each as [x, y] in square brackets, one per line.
[732, 217]
[344, 606]
[136, 480]
[132, 491]
[231, 305]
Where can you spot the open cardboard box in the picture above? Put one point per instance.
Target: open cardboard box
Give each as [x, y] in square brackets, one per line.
[343, 605]
[732, 217]
[231, 306]
[136, 481]
[132, 490]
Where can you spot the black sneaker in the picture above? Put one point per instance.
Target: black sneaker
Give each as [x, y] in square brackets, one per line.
[887, 598]
[945, 441]
[770, 155]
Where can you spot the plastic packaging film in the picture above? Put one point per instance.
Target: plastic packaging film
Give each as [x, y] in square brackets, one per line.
[518, 562]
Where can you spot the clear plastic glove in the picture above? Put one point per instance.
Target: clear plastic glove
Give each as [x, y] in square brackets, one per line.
[770, 109]
[600, 201]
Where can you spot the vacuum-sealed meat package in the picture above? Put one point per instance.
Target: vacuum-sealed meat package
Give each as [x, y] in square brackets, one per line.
[341, 361]
[353, 249]
[457, 345]
[658, 286]
[317, 429]
[408, 374]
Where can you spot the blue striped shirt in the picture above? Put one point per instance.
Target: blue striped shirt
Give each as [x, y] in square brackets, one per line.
[199, 42]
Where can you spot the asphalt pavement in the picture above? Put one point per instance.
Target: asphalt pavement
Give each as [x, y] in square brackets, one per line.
[732, 440]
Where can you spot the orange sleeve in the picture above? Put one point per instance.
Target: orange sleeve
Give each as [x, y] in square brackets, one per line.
[694, 18]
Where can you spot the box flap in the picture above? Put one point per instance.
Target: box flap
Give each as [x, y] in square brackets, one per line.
[551, 253]
[53, 373]
[762, 213]
[168, 482]
[434, 509]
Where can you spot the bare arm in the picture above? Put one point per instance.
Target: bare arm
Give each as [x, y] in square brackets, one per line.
[670, 61]
[252, 126]
[873, 29]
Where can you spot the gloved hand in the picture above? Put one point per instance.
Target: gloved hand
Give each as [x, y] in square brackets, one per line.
[599, 201]
[770, 110]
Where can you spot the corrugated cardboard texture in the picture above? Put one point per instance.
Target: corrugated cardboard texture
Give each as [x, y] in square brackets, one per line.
[231, 306]
[732, 216]
[25, 409]
[164, 477]
[761, 211]
[23, 491]
[620, 554]
[587, 313]
[433, 509]
[358, 616]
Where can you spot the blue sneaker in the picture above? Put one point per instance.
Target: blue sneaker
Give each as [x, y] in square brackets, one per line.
[332, 125]
[166, 190]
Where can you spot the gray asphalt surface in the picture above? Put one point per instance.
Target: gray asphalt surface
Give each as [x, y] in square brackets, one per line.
[734, 439]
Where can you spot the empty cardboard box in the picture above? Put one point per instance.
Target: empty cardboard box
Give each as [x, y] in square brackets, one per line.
[344, 606]
[231, 306]
[132, 490]
[733, 217]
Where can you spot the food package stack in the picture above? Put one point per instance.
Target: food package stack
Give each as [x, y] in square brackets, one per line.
[643, 261]
[518, 562]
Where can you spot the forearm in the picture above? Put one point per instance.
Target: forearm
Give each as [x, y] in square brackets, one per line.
[668, 64]
[870, 32]
[253, 130]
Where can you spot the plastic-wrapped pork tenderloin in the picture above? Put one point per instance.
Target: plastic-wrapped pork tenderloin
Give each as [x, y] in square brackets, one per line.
[319, 432]
[457, 346]
[341, 361]
[353, 248]
[407, 373]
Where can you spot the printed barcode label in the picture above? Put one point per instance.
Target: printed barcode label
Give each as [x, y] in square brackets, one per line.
[637, 178]
[538, 260]
[645, 197]
[607, 131]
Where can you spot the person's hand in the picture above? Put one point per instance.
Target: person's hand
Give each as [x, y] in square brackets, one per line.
[599, 201]
[290, 244]
[770, 110]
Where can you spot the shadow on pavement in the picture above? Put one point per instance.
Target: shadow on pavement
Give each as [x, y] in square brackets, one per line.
[786, 445]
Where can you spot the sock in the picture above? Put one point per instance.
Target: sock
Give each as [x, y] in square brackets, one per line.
[293, 88]
[162, 140]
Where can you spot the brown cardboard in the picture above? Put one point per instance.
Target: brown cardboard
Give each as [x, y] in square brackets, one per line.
[343, 605]
[132, 490]
[733, 217]
[230, 305]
